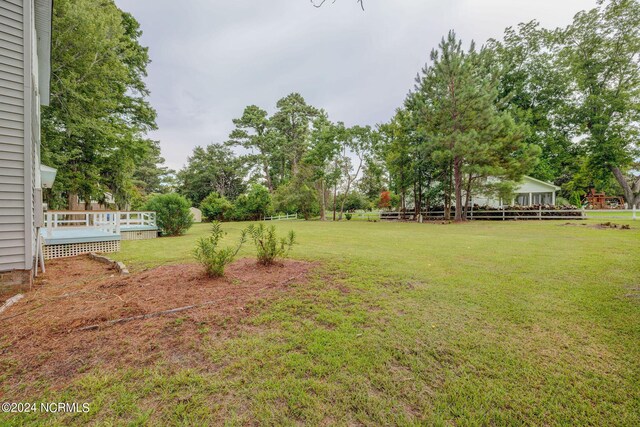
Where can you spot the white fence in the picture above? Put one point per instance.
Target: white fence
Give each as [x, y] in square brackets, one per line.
[110, 222]
[281, 217]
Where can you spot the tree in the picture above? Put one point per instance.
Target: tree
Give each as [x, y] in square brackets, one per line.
[93, 130]
[358, 142]
[537, 93]
[373, 180]
[149, 176]
[253, 131]
[601, 53]
[293, 121]
[457, 98]
[399, 151]
[214, 168]
[321, 162]
[298, 195]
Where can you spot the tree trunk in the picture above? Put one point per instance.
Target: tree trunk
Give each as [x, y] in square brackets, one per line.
[467, 197]
[416, 209]
[457, 176]
[631, 191]
[323, 201]
[335, 194]
[267, 177]
[72, 201]
[447, 196]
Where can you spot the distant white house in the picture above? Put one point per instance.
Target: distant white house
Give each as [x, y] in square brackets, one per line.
[25, 44]
[530, 192]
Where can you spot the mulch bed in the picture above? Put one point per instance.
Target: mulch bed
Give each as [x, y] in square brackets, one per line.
[41, 337]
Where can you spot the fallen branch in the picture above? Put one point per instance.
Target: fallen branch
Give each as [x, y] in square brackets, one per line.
[154, 314]
[14, 299]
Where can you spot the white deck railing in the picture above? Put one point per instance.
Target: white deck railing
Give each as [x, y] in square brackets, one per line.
[138, 219]
[107, 221]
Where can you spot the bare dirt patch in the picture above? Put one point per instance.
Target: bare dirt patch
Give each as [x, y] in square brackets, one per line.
[41, 340]
[602, 226]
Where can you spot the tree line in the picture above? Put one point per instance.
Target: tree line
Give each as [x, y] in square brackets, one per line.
[561, 105]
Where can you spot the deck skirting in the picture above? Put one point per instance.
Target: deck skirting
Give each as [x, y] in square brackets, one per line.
[72, 249]
[138, 235]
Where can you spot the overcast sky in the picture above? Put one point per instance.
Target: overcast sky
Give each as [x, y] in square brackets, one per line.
[211, 58]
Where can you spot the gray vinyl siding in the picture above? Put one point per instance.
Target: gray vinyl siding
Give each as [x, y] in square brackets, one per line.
[13, 181]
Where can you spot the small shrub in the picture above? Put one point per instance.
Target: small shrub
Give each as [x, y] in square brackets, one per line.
[215, 207]
[348, 216]
[268, 246]
[172, 213]
[213, 259]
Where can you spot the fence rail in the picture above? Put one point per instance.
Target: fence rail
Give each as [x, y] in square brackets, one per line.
[108, 221]
[508, 214]
[281, 217]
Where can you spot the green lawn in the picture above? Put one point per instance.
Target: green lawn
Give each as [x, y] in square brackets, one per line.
[486, 323]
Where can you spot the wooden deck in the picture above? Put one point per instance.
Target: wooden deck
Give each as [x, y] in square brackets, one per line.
[61, 236]
[74, 233]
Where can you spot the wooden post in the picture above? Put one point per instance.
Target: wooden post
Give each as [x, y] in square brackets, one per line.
[540, 212]
[634, 213]
[503, 218]
[117, 222]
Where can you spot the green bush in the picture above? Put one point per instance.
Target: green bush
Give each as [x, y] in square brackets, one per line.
[268, 246]
[348, 216]
[252, 206]
[172, 213]
[353, 202]
[215, 207]
[213, 259]
[297, 197]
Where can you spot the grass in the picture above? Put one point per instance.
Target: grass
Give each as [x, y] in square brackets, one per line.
[486, 323]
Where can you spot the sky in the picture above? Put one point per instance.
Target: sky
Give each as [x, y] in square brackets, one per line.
[212, 58]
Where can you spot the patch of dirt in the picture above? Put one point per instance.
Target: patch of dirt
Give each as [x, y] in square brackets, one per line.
[602, 226]
[40, 337]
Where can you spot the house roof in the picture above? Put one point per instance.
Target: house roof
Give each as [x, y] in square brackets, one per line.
[548, 184]
[43, 10]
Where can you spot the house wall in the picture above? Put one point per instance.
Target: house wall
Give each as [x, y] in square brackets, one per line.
[533, 187]
[13, 136]
[19, 135]
[527, 186]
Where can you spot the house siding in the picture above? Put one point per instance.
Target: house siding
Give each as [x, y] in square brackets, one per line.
[13, 251]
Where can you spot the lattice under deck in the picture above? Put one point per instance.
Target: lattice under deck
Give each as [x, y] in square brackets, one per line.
[138, 235]
[73, 249]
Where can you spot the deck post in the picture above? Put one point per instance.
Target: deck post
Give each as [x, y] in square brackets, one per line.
[49, 224]
[117, 222]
